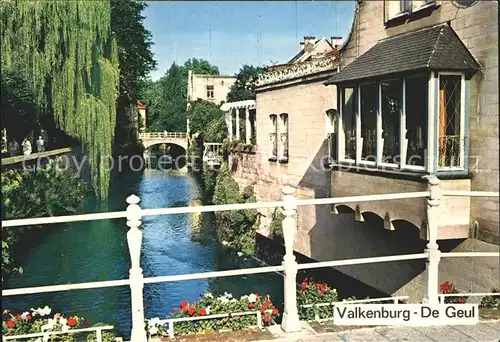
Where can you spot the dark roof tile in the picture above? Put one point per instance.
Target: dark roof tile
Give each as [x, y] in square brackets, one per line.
[434, 48]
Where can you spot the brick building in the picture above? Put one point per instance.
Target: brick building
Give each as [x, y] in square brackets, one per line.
[417, 94]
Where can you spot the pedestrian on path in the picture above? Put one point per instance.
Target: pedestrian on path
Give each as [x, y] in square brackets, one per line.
[13, 148]
[26, 146]
[40, 144]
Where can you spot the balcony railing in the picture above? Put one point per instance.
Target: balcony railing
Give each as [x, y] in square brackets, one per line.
[162, 135]
[290, 322]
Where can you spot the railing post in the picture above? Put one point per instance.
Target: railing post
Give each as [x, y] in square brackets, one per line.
[290, 322]
[134, 239]
[433, 253]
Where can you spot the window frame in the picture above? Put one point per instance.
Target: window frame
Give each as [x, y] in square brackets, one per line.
[274, 130]
[210, 91]
[340, 124]
[405, 12]
[462, 154]
[431, 154]
[283, 128]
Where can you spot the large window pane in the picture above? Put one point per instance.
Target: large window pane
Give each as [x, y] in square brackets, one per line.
[349, 122]
[449, 121]
[416, 119]
[369, 105]
[391, 111]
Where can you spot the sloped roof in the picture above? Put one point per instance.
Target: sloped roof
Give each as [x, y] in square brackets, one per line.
[432, 48]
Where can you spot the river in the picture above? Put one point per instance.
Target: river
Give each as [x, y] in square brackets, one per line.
[97, 251]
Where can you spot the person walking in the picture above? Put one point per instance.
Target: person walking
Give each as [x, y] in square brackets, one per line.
[13, 148]
[26, 146]
[40, 144]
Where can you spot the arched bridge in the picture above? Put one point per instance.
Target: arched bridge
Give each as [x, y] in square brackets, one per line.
[153, 138]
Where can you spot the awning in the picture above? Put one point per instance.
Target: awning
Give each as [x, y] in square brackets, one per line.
[434, 48]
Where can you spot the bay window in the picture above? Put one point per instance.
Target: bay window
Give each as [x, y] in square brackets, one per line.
[369, 112]
[415, 127]
[392, 93]
[413, 123]
[450, 127]
[349, 112]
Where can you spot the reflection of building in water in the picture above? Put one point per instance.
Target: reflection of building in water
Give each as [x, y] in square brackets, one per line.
[196, 221]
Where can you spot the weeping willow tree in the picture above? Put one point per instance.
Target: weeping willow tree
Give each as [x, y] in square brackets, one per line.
[69, 54]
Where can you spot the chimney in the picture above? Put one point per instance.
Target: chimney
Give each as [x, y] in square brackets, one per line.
[308, 43]
[335, 41]
[301, 44]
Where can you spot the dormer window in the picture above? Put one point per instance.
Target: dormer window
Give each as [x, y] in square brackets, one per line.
[401, 8]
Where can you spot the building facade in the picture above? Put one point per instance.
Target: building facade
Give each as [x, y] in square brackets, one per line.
[291, 126]
[213, 88]
[416, 93]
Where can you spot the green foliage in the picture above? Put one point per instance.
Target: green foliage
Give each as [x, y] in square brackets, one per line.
[201, 114]
[70, 57]
[276, 225]
[136, 61]
[315, 293]
[45, 192]
[166, 98]
[448, 288]
[134, 45]
[32, 321]
[491, 302]
[244, 87]
[209, 181]
[236, 227]
[215, 131]
[209, 305]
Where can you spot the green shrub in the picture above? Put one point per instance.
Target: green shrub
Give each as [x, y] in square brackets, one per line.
[491, 302]
[236, 227]
[209, 181]
[276, 225]
[46, 192]
[311, 292]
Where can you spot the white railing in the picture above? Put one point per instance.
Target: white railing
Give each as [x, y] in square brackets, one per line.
[442, 296]
[46, 335]
[289, 266]
[162, 135]
[171, 321]
[394, 300]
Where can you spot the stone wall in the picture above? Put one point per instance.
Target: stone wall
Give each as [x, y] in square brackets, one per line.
[477, 27]
[325, 234]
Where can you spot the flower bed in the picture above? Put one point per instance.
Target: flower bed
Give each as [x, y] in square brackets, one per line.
[315, 301]
[448, 288]
[231, 314]
[39, 321]
[311, 292]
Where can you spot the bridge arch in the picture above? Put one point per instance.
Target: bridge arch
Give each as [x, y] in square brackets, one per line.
[155, 138]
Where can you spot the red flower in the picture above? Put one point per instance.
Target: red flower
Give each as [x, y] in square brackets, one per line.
[461, 300]
[86, 321]
[72, 322]
[303, 286]
[11, 324]
[251, 305]
[276, 311]
[183, 304]
[175, 309]
[18, 316]
[192, 310]
[262, 309]
[28, 316]
[267, 304]
[267, 319]
[203, 312]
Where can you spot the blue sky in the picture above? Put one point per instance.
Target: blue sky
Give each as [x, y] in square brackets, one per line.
[232, 33]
